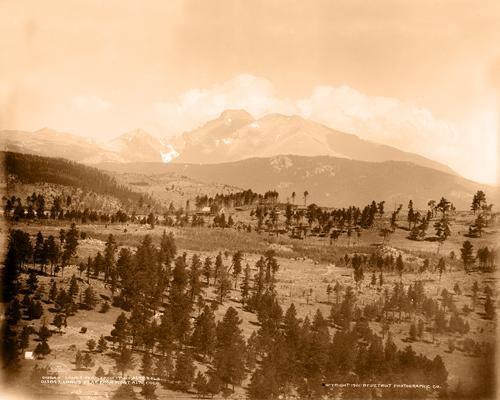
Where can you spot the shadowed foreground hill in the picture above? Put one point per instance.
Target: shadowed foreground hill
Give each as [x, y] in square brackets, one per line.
[330, 181]
[31, 169]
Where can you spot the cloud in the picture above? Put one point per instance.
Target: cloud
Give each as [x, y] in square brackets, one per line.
[469, 148]
[196, 106]
[90, 104]
[382, 119]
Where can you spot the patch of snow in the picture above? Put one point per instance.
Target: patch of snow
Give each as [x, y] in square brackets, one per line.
[227, 140]
[280, 163]
[169, 156]
[325, 169]
[254, 125]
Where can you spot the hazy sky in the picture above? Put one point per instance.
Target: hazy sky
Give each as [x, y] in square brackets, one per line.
[420, 75]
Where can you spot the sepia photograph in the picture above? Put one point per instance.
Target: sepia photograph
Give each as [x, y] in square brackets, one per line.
[249, 200]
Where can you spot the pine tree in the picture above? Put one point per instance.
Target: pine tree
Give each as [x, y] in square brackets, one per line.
[24, 338]
[315, 356]
[70, 245]
[207, 269]
[236, 265]
[58, 321]
[251, 353]
[42, 349]
[124, 361]
[146, 364]
[13, 313]
[89, 298]
[102, 345]
[148, 391]
[229, 359]
[443, 230]
[478, 200]
[441, 266]
[35, 310]
[109, 257]
[272, 266]
[467, 252]
[390, 355]
[73, 287]
[214, 385]
[87, 361]
[413, 332]
[11, 362]
[337, 289]
[120, 331]
[39, 251]
[204, 334]
[184, 371]
[53, 291]
[420, 328]
[195, 288]
[400, 265]
[219, 266]
[168, 247]
[180, 305]
[343, 316]
[91, 345]
[53, 252]
[43, 333]
[489, 307]
[99, 373]
[125, 392]
[223, 285]
[137, 324]
[78, 360]
[32, 281]
[245, 285]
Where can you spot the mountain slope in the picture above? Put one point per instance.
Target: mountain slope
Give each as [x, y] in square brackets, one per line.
[48, 143]
[134, 146]
[32, 169]
[330, 181]
[235, 135]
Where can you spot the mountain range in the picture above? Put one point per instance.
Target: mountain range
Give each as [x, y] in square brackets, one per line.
[286, 153]
[234, 136]
[134, 146]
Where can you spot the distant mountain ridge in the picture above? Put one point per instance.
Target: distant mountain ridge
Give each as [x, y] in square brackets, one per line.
[134, 146]
[330, 181]
[235, 135]
[49, 143]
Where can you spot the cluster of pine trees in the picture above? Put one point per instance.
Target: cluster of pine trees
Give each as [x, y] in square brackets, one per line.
[238, 199]
[34, 209]
[295, 356]
[326, 219]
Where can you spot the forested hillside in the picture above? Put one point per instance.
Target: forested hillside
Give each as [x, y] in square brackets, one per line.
[31, 169]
